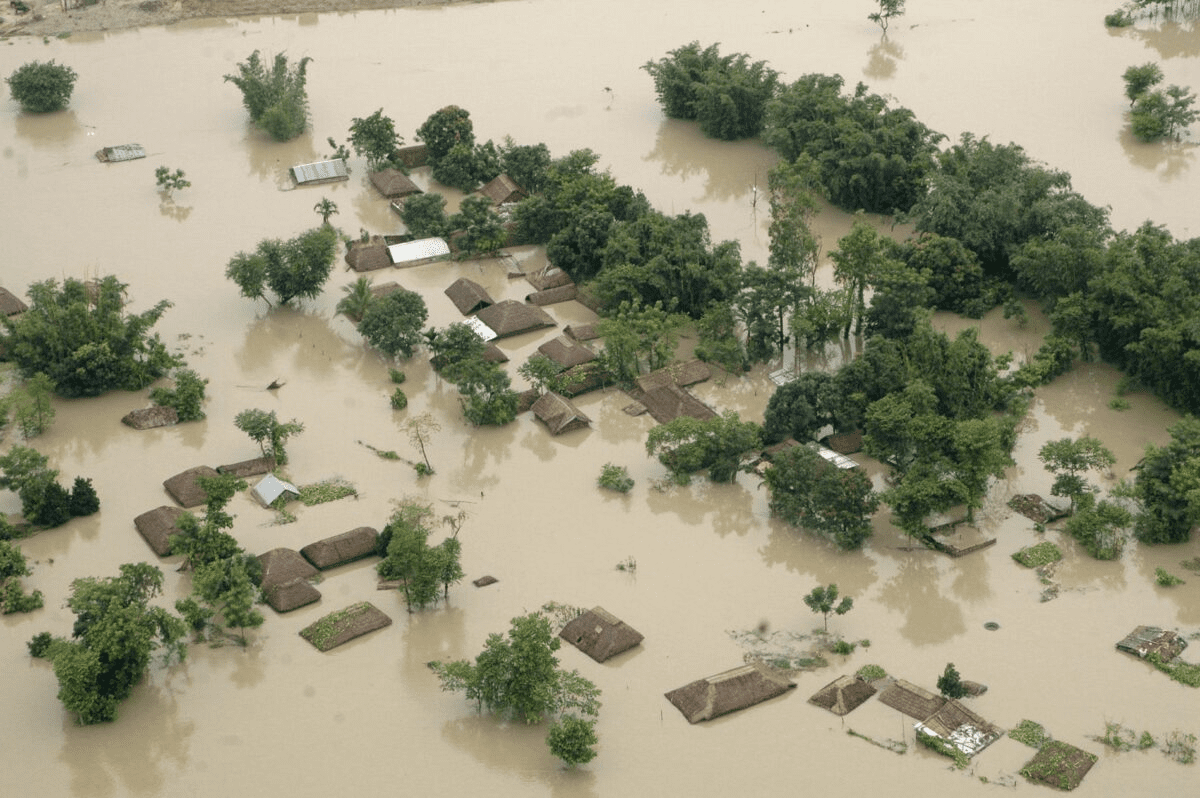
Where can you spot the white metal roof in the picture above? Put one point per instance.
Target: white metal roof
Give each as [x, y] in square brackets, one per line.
[479, 328]
[272, 487]
[839, 460]
[421, 249]
[124, 152]
[320, 171]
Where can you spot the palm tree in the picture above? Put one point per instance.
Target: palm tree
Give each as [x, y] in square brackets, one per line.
[358, 297]
[326, 208]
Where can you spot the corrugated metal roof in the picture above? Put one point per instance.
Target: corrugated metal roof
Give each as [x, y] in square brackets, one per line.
[122, 152]
[272, 487]
[421, 249]
[839, 460]
[479, 328]
[320, 171]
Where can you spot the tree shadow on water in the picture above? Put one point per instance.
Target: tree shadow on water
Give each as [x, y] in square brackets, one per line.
[915, 592]
[728, 169]
[882, 58]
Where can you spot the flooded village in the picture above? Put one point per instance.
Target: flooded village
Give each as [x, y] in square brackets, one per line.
[711, 584]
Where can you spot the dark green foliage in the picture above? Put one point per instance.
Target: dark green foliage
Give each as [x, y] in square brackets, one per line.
[396, 376]
[33, 410]
[807, 491]
[84, 500]
[358, 297]
[223, 596]
[635, 335]
[425, 215]
[1168, 486]
[265, 429]
[526, 164]
[42, 87]
[420, 568]
[898, 304]
[1140, 78]
[375, 138]
[392, 324]
[482, 230]
[398, 399]
[187, 397]
[294, 269]
[1054, 357]
[800, 408]
[887, 10]
[1068, 460]
[719, 341]
[457, 168]
[205, 541]
[1164, 578]
[950, 684]
[79, 336]
[170, 181]
[39, 644]
[954, 274]
[615, 477]
[488, 396]
[26, 472]
[325, 208]
[276, 98]
[444, 129]
[12, 568]
[1036, 556]
[686, 445]
[452, 347]
[678, 78]
[1163, 113]
[571, 740]
[824, 599]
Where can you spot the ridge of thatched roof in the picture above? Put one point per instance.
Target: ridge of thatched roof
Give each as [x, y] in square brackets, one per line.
[151, 417]
[843, 695]
[369, 256]
[582, 332]
[293, 594]
[341, 549]
[960, 727]
[552, 296]
[468, 296]
[156, 527]
[494, 354]
[526, 398]
[1146, 640]
[283, 565]
[729, 691]
[669, 402]
[393, 184]
[845, 443]
[566, 353]
[10, 303]
[559, 413]
[510, 317]
[501, 190]
[249, 468]
[906, 697]
[551, 277]
[336, 628]
[185, 488]
[600, 634]
[683, 374]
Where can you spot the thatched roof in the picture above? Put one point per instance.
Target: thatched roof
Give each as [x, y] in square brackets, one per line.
[336, 628]
[290, 595]
[600, 634]
[566, 352]
[1059, 765]
[413, 155]
[911, 700]
[283, 565]
[185, 487]
[546, 279]
[393, 184]
[502, 189]
[559, 413]
[845, 442]
[582, 332]
[526, 398]
[151, 417]
[705, 699]
[494, 354]
[156, 527]
[961, 728]
[468, 296]
[1146, 640]
[552, 296]
[843, 695]
[10, 304]
[385, 289]
[683, 374]
[369, 256]
[341, 549]
[249, 468]
[670, 402]
[484, 581]
[510, 317]
[583, 378]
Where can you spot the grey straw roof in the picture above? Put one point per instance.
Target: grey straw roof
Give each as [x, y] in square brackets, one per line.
[336, 628]
[729, 691]
[292, 594]
[510, 317]
[151, 417]
[156, 527]
[10, 303]
[341, 549]
[368, 257]
[249, 468]
[600, 634]
[393, 184]
[552, 296]
[906, 697]
[566, 353]
[185, 487]
[468, 296]
[502, 189]
[843, 695]
[559, 413]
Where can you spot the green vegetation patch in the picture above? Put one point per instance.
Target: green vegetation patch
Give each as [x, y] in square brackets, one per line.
[935, 743]
[326, 491]
[344, 625]
[1177, 669]
[1059, 765]
[1030, 733]
[1166, 579]
[1181, 747]
[1043, 553]
[871, 673]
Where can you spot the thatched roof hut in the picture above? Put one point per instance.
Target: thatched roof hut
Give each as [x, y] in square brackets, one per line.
[282, 565]
[845, 442]
[413, 155]
[385, 289]
[1146, 640]
[368, 256]
[600, 634]
[291, 595]
[683, 374]
[393, 184]
[961, 728]
[583, 378]
[341, 549]
[10, 303]
[559, 414]
[906, 697]
[745, 686]
[566, 353]
[510, 317]
[249, 468]
[468, 296]
[156, 527]
[1059, 765]
[843, 695]
[502, 190]
[552, 296]
[582, 332]
[185, 487]
[494, 354]
[151, 417]
[546, 279]
[670, 402]
[526, 398]
[485, 580]
[340, 627]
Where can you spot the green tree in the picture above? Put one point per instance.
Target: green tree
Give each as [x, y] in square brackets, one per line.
[1168, 486]
[453, 348]
[1101, 527]
[84, 500]
[980, 450]
[33, 410]
[276, 98]
[686, 445]
[265, 429]
[809, 492]
[424, 215]
[929, 486]
[887, 10]
[202, 541]
[170, 181]
[488, 397]
[445, 128]
[571, 739]
[824, 600]
[634, 334]
[800, 408]
[358, 297]
[482, 230]
[187, 397]
[900, 299]
[1068, 460]
[1164, 113]
[409, 557]
[859, 258]
[526, 164]
[375, 138]
[325, 208]
[459, 168]
[950, 684]
[80, 336]
[42, 87]
[12, 567]
[420, 429]
[392, 324]
[293, 269]
[1138, 79]
[719, 340]
[223, 596]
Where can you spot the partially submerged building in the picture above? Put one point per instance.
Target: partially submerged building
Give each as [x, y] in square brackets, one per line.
[151, 417]
[393, 184]
[468, 296]
[341, 549]
[285, 578]
[843, 695]
[552, 296]
[559, 414]
[185, 488]
[336, 628]
[1146, 640]
[600, 634]
[729, 691]
[502, 190]
[958, 726]
[566, 353]
[510, 317]
[318, 172]
[156, 527]
[271, 487]
[10, 303]
[121, 152]
[418, 252]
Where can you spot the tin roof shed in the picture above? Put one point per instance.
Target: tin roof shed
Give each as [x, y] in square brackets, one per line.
[310, 174]
[423, 250]
[271, 487]
[121, 152]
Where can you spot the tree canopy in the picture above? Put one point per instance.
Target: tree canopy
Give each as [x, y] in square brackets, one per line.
[42, 87]
[686, 445]
[809, 492]
[375, 138]
[392, 324]
[276, 98]
[293, 269]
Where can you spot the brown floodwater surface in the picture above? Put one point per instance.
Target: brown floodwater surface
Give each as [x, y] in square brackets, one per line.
[277, 718]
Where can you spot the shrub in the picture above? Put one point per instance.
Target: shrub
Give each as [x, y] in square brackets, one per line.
[397, 376]
[1166, 579]
[950, 684]
[277, 100]
[615, 477]
[871, 673]
[40, 88]
[399, 400]
[84, 500]
[1030, 733]
[842, 647]
[1036, 556]
[186, 397]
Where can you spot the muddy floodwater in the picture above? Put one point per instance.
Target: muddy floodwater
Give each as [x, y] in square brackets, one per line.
[280, 719]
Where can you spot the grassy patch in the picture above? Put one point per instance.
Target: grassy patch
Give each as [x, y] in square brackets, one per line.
[1192, 565]
[1166, 579]
[1118, 403]
[1181, 747]
[934, 743]
[1043, 553]
[1059, 765]
[326, 491]
[1177, 669]
[1030, 733]
[871, 673]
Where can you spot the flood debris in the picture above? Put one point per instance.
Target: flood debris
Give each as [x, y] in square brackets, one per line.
[340, 627]
[600, 634]
[1038, 509]
[485, 580]
[729, 691]
[1146, 640]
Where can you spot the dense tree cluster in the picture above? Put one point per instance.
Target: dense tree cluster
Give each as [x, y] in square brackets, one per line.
[276, 98]
[186, 396]
[686, 445]
[487, 395]
[392, 323]
[424, 572]
[808, 491]
[456, 160]
[1157, 113]
[375, 138]
[13, 597]
[44, 502]
[293, 269]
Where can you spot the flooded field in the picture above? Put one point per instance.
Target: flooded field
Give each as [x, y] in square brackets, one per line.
[278, 718]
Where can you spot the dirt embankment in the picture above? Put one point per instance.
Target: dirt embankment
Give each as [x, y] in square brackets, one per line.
[61, 17]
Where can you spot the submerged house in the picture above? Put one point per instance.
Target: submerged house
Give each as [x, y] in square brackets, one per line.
[340, 549]
[729, 691]
[960, 727]
[600, 634]
[271, 487]
[415, 253]
[559, 414]
[393, 184]
[552, 296]
[318, 172]
[468, 296]
[1146, 640]
[185, 488]
[843, 695]
[121, 152]
[369, 256]
[502, 190]
[156, 527]
[10, 303]
[285, 580]
[566, 352]
[510, 317]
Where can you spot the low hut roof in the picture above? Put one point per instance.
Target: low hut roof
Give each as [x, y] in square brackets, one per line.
[292, 594]
[485, 580]
[526, 398]
[581, 332]
[546, 279]
[1059, 765]
[705, 699]
[600, 634]
[911, 700]
[271, 487]
[1146, 640]
[341, 549]
[367, 257]
[336, 628]
[422, 250]
[566, 353]
[468, 296]
[845, 442]
[413, 155]
[249, 468]
[559, 413]
[121, 152]
[670, 402]
[283, 565]
[151, 417]
[393, 184]
[510, 317]
[552, 296]
[683, 374]
[10, 303]
[960, 727]
[156, 527]
[384, 289]
[502, 189]
[843, 695]
[185, 487]
[494, 354]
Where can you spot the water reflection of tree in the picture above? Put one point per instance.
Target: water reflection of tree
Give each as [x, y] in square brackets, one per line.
[729, 169]
[179, 213]
[726, 508]
[971, 579]
[133, 751]
[1169, 39]
[270, 160]
[804, 553]
[315, 347]
[617, 426]
[433, 634]
[1168, 159]
[915, 592]
[484, 445]
[882, 58]
[45, 130]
